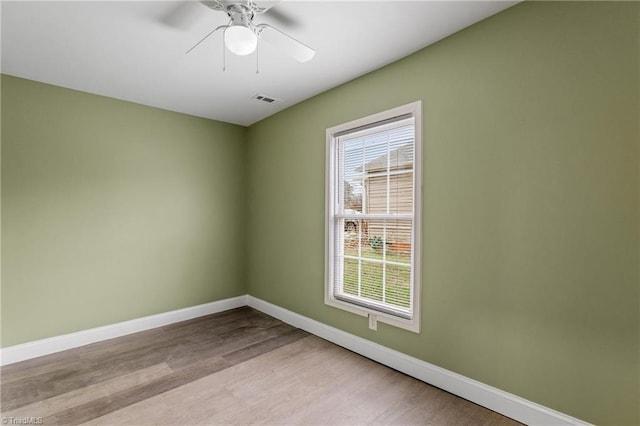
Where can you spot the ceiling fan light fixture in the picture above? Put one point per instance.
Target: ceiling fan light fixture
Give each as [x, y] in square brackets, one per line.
[240, 40]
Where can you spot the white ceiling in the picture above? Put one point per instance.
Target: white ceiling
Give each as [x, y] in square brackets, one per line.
[127, 51]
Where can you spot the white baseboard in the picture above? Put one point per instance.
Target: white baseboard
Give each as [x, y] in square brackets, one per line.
[492, 398]
[37, 348]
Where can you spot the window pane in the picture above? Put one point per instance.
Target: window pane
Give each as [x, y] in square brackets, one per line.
[401, 148]
[376, 194]
[398, 241]
[371, 283]
[397, 285]
[350, 278]
[352, 152]
[353, 236]
[374, 179]
[374, 231]
[401, 193]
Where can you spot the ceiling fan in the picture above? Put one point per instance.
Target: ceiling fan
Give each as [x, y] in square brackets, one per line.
[241, 34]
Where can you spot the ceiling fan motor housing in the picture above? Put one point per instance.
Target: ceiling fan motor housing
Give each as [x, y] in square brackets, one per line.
[241, 12]
[241, 18]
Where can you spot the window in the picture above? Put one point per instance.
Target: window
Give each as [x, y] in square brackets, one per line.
[373, 202]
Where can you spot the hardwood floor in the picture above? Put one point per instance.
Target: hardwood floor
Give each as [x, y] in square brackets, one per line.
[236, 367]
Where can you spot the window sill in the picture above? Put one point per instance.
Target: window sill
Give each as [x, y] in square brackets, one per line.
[375, 316]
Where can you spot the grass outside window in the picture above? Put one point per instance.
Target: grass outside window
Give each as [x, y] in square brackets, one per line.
[371, 275]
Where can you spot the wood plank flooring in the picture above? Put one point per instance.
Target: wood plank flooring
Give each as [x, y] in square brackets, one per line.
[236, 367]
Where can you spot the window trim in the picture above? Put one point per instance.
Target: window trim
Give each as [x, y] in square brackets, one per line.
[413, 109]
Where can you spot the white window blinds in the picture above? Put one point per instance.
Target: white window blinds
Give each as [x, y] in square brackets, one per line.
[373, 217]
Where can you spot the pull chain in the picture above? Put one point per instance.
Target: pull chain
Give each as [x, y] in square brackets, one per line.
[224, 61]
[257, 69]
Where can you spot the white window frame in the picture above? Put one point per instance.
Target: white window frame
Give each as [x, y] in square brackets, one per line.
[411, 323]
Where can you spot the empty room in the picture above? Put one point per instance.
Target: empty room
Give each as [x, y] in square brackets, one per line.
[320, 212]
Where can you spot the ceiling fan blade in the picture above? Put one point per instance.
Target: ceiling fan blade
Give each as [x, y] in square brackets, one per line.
[183, 15]
[206, 37]
[215, 4]
[289, 45]
[282, 18]
[268, 7]
[261, 6]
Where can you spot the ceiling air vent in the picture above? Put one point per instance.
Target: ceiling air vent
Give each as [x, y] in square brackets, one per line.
[264, 98]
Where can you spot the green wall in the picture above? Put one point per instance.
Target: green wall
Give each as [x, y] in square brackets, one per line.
[113, 211]
[531, 183]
